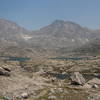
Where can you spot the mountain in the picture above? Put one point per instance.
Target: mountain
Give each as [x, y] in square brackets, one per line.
[10, 28]
[12, 38]
[60, 28]
[60, 37]
[68, 36]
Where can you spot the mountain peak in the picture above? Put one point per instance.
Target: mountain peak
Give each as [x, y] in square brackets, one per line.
[63, 22]
[61, 28]
[5, 21]
[58, 21]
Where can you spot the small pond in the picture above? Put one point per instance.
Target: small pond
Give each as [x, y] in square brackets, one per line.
[58, 75]
[12, 58]
[70, 58]
[18, 59]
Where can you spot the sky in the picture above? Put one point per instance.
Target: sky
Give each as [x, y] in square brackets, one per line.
[34, 14]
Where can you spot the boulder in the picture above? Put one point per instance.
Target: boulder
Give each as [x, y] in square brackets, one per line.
[88, 86]
[4, 72]
[94, 81]
[24, 95]
[7, 68]
[95, 86]
[52, 97]
[77, 79]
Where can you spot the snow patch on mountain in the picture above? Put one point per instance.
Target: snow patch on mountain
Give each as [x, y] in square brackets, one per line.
[26, 37]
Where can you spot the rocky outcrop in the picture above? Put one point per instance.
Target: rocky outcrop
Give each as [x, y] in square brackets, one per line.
[24, 95]
[5, 71]
[77, 79]
[94, 81]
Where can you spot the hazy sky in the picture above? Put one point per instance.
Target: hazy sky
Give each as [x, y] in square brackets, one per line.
[33, 14]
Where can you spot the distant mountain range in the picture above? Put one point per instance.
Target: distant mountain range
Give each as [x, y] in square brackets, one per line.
[58, 38]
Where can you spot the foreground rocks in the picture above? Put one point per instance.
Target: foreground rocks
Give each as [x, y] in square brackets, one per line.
[24, 95]
[94, 96]
[5, 71]
[94, 81]
[77, 79]
[50, 80]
